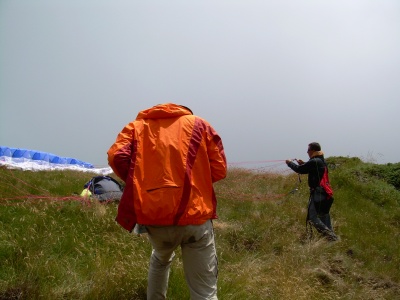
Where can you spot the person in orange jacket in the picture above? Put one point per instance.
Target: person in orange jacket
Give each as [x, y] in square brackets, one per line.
[169, 160]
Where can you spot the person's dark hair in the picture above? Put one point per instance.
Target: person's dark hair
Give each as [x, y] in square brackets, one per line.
[185, 107]
[314, 146]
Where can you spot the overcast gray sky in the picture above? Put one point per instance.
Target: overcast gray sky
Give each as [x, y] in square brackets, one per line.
[270, 76]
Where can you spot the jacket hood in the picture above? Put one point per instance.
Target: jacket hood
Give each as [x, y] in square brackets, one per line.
[162, 111]
[317, 153]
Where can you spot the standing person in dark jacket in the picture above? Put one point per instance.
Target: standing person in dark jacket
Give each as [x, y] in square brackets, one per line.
[320, 202]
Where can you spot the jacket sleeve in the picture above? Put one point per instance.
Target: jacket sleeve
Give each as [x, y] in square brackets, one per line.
[216, 155]
[301, 169]
[121, 152]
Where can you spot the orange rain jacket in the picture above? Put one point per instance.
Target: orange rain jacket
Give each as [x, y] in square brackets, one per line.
[168, 159]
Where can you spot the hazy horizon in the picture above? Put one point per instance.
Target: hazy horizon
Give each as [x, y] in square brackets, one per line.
[270, 76]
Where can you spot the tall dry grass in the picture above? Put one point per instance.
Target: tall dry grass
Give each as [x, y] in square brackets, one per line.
[56, 245]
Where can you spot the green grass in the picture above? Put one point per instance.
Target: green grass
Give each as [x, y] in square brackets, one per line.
[57, 245]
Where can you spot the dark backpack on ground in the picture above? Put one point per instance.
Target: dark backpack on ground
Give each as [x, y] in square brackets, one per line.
[104, 188]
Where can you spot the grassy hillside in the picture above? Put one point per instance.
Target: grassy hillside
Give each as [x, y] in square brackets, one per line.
[56, 245]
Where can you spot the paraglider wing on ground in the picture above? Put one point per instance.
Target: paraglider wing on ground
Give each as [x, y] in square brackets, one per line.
[24, 159]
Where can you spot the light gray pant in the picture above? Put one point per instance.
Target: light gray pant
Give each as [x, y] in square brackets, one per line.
[198, 254]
